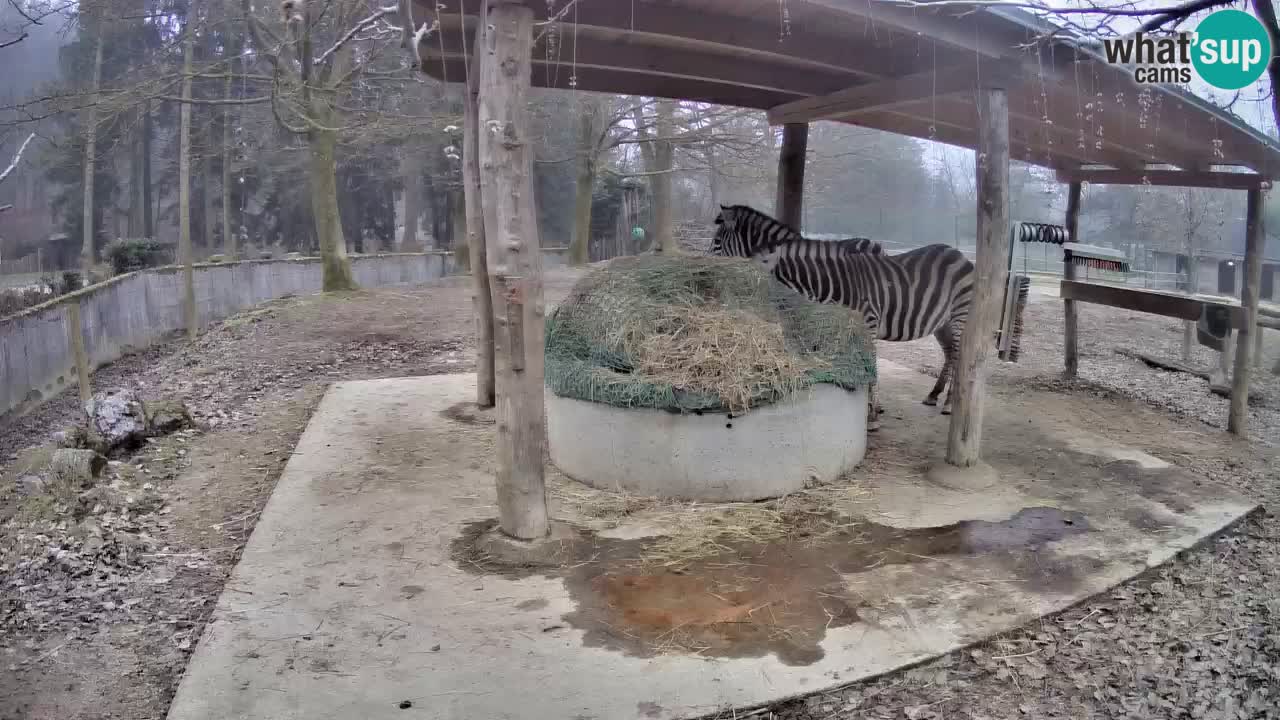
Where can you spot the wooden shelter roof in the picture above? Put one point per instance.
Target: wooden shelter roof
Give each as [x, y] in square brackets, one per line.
[872, 63]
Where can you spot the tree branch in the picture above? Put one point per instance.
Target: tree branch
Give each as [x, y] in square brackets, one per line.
[17, 158]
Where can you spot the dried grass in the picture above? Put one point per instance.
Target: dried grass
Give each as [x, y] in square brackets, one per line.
[731, 353]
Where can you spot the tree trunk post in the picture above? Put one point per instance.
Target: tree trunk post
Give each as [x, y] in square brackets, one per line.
[481, 299]
[789, 205]
[964, 440]
[1238, 416]
[514, 265]
[664, 159]
[1071, 360]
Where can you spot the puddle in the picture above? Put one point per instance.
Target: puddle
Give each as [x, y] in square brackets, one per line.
[754, 598]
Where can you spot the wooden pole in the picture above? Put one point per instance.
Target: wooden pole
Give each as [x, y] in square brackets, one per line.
[964, 440]
[1238, 416]
[1069, 309]
[515, 267]
[481, 300]
[789, 205]
[75, 336]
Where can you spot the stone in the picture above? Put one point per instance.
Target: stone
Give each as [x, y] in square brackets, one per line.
[165, 416]
[77, 467]
[117, 416]
[32, 485]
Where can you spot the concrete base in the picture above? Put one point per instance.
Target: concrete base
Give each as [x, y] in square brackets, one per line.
[351, 600]
[814, 436]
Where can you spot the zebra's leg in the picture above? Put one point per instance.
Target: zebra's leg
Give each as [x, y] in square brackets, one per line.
[953, 356]
[873, 409]
[946, 340]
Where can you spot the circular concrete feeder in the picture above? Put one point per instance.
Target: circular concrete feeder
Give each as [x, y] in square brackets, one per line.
[814, 435]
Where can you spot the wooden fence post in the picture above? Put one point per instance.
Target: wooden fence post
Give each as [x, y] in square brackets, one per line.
[1069, 338]
[514, 265]
[75, 336]
[481, 299]
[964, 439]
[1238, 416]
[789, 205]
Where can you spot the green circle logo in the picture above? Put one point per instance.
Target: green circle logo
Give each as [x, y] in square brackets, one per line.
[1232, 49]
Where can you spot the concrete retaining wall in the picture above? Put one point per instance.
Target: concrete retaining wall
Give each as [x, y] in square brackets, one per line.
[136, 310]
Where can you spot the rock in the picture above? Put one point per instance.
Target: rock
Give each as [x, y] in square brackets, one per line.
[101, 498]
[76, 467]
[165, 416]
[32, 485]
[118, 417]
[78, 436]
[217, 258]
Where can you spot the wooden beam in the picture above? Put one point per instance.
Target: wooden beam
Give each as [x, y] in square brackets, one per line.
[481, 295]
[1071, 360]
[956, 30]
[1140, 300]
[789, 206]
[964, 439]
[515, 267]
[1238, 415]
[612, 81]
[1175, 178]
[716, 31]
[604, 49]
[889, 92]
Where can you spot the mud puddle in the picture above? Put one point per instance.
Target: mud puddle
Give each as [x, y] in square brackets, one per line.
[752, 599]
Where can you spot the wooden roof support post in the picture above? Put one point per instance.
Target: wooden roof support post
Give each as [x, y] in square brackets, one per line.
[1238, 416]
[481, 300]
[964, 440]
[515, 266]
[789, 205]
[1069, 309]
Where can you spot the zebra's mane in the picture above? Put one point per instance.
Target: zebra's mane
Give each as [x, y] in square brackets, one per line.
[744, 214]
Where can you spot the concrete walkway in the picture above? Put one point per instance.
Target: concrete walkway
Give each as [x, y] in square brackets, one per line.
[352, 602]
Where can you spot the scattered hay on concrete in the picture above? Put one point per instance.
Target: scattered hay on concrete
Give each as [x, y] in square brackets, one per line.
[689, 531]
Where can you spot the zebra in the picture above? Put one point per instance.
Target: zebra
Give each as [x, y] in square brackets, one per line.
[901, 297]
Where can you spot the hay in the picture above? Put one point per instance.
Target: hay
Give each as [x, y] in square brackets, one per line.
[696, 334]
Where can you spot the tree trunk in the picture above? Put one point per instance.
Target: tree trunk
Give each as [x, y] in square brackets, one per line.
[514, 257]
[228, 232]
[135, 184]
[324, 210]
[1255, 243]
[88, 246]
[588, 132]
[184, 190]
[458, 227]
[481, 299]
[411, 169]
[664, 152]
[148, 211]
[206, 199]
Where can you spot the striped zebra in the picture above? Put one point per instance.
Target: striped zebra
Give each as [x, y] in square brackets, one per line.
[902, 297]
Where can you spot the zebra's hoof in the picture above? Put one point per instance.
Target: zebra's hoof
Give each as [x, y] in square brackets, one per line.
[946, 410]
[873, 425]
[931, 401]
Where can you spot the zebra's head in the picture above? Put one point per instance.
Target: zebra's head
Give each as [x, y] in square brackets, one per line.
[743, 231]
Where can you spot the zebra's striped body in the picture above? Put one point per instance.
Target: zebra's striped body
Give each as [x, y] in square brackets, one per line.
[926, 291]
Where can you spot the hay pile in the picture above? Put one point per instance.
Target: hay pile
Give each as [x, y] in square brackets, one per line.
[689, 334]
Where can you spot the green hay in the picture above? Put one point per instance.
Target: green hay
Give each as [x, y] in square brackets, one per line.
[698, 334]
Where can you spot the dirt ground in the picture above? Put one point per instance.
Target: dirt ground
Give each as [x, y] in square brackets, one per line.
[105, 634]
